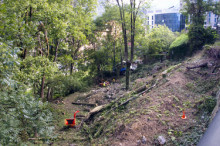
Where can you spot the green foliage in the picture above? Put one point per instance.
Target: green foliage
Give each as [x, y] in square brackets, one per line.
[211, 36]
[22, 115]
[217, 43]
[65, 85]
[196, 10]
[208, 104]
[179, 47]
[197, 37]
[100, 61]
[157, 41]
[160, 39]
[33, 69]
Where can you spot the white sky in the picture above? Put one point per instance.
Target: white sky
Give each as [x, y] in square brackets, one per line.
[164, 4]
[155, 4]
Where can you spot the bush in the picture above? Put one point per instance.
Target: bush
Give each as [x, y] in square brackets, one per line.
[211, 36]
[208, 105]
[197, 38]
[65, 85]
[23, 116]
[179, 47]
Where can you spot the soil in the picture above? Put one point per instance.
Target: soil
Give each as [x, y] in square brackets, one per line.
[155, 113]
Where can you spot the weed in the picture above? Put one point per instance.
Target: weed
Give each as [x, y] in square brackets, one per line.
[187, 104]
[190, 86]
[176, 99]
[208, 104]
[191, 137]
[167, 112]
[159, 115]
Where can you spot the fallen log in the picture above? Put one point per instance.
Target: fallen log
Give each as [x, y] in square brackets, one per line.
[87, 104]
[198, 66]
[100, 108]
[112, 106]
[95, 111]
[140, 89]
[141, 93]
[164, 73]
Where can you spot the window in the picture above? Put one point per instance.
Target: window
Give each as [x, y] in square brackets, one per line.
[152, 22]
[148, 23]
[152, 17]
[147, 17]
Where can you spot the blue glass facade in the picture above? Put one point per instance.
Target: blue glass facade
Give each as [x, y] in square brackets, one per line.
[174, 21]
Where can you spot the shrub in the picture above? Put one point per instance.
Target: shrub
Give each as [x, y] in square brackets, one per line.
[65, 85]
[197, 37]
[208, 105]
[211, 36]
[23, 116]
[179, 47]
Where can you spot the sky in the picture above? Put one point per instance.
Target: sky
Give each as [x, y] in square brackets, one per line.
[164, 4]
[156, 4]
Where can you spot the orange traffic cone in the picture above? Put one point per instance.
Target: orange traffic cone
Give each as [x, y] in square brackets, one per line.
[184, 115]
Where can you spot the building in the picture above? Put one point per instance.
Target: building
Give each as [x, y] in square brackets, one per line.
[175, 21]
[211, 19]
[170, 17]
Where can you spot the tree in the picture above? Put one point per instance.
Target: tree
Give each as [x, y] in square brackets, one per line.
[197, 33]
[49, 29]
[156, 42]
[108, 34]
[22, 115]
[133, 11]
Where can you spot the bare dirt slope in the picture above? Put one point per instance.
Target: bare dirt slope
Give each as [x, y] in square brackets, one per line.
[156, 113]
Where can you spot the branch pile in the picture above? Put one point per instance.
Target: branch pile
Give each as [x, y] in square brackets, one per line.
[106, 112]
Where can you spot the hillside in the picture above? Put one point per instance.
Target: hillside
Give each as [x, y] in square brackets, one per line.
[155, 112]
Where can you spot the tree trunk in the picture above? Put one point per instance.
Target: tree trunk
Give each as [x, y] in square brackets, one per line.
[114, 68]
[123, 23]
[132, 30]
[71, 68]
[40, 46]
[42, 87]
[121, 57]
[56, 50]
[47, 42]
[25, 53]
[48, 93]
[128, 64]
